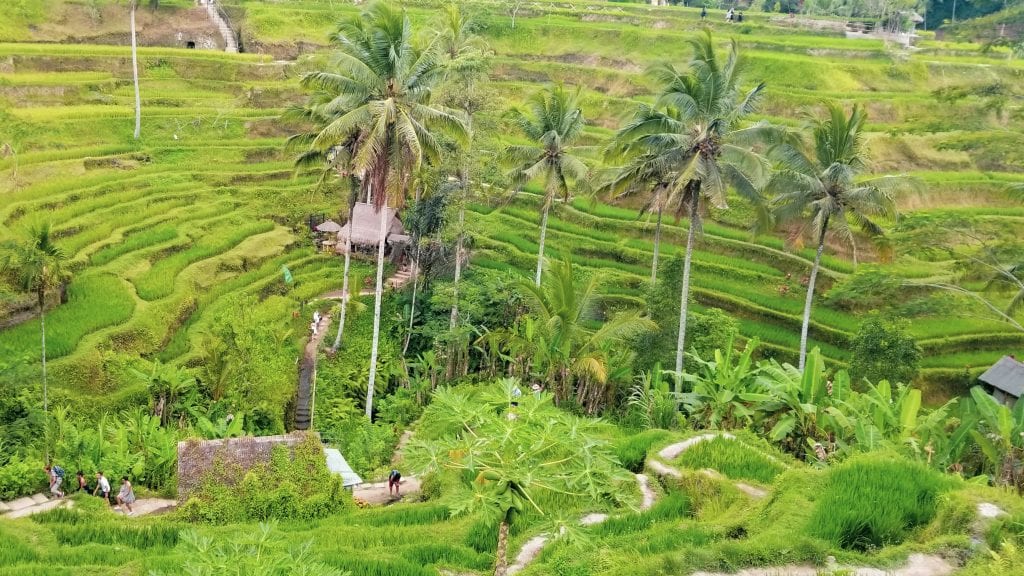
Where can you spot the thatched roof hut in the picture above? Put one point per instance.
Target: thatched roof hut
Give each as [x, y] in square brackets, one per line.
[365, 225]
[329, 226]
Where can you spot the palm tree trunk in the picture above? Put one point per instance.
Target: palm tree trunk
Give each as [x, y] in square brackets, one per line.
[42, 331]
[415, 287]
[344, 282]
[458, 265]
[657, 246]
[810, 295]
[378, 295]
[501, 565]
[540, 252]
[685, 292]
[135, 76]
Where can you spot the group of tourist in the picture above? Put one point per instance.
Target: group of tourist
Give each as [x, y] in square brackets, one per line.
[731, 16]
[125, 497]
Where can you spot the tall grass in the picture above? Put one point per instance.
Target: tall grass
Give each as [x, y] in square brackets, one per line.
[875, 500]
[671, 507]
[732, 458]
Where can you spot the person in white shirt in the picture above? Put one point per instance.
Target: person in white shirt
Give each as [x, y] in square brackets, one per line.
[102, 487]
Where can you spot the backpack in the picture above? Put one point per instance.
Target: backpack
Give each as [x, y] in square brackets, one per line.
[58, 471]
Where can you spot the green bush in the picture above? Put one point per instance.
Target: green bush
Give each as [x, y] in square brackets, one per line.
[873, 500]
[296, 485]
[21, 477]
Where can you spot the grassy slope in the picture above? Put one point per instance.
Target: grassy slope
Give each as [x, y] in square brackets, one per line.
[209, 171]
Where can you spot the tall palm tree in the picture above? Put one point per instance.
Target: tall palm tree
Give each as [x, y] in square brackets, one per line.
[36, 265]
[646, 174]
[135, 70]
[383, 81]
[327, 104]
[816, 188]
[466, 67]
[695, 128]
[553, 124]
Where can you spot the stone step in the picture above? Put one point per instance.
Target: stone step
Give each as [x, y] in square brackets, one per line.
[21, 503]
[39, 498]
[48, 505]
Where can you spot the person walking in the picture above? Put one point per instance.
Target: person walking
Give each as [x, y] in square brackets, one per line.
[126, 496]
[728, 15]
[703, 12]
[394, 482]
[83, 484]
[102, 487]
[56, 477]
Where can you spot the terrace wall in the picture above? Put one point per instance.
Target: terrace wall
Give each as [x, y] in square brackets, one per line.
[238, 455]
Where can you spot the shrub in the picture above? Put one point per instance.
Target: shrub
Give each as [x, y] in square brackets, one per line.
[296, 485]
[20, 477]
[873, 501]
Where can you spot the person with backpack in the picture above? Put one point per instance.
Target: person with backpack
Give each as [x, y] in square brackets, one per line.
[102, 487]
[394, 482]
[56, 477]
[126, 496]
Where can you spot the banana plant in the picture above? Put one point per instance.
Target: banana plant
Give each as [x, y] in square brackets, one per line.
[1001, 438]
[725, 392]
[892, 415]
[807, 409]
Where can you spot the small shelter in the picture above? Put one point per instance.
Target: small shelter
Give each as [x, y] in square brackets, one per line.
[1005, 380]
[330, 227]
[337, 464]
[365, 224]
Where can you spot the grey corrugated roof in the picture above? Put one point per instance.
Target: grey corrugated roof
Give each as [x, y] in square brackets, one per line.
[1006, 375]
[337, 464]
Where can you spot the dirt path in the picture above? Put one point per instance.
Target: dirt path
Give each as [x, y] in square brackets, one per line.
[377, 492]
[141, 507]
[673, 451]
[917, 565]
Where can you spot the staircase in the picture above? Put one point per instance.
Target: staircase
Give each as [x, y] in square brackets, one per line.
[220, 21]
[29, 505]
[400, 278]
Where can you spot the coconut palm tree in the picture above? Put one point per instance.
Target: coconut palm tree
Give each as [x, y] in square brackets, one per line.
[326, 105]
[466, 66]
[646, 174]
[133, 4]
[36, 265]
[816, 188]
[695, 130]
[383, 80]
[572, 358]
[552, 125]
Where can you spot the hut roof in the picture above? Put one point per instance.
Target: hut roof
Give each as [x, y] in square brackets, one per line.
[365, 224]
[1007, 375]
[329, 226]
[337, 464]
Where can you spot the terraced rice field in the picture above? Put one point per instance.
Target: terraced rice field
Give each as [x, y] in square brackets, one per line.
[205, 206]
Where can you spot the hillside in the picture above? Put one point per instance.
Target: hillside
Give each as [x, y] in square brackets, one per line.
[173, 327]
[212, 194]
